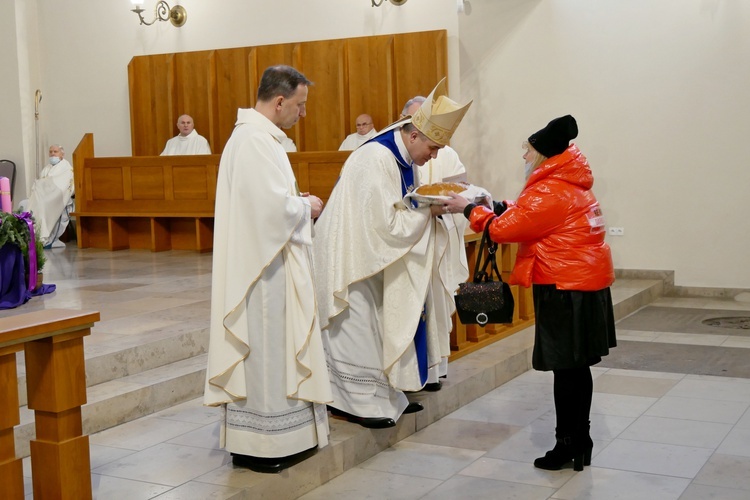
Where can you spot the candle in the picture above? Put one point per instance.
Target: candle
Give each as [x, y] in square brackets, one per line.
[5, 203]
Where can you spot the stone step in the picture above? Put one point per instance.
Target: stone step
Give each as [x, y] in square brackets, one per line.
[630, 295]
[111, 361]
[130, 397]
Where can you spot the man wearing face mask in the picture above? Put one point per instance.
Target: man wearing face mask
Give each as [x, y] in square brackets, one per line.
[51, 199]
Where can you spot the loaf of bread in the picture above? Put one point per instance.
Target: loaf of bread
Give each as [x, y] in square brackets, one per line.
[441, 188]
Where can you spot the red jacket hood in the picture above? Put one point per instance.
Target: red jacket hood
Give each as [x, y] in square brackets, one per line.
[569, 166]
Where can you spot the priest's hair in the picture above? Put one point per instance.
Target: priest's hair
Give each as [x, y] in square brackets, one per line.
[280, 80]
[414, 100]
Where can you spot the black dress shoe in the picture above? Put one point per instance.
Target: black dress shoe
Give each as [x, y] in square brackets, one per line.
[433, 387]
[271, 465]
[414, 407]
[367, 422]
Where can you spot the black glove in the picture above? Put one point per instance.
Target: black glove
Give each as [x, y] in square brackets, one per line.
[499, 207]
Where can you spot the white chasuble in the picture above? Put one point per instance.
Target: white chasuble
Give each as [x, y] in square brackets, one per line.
[355, 140]
[266, 362]
[373, 265]
[451, 267]
[50, 194]
[191, 144]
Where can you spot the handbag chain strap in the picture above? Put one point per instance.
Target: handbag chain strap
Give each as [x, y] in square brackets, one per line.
[481, 270]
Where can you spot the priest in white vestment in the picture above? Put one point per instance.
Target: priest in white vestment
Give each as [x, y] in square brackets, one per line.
[187, 142]
[365, 132]
[266, 364]
[452, 267]
[374, 254]
[51, 199]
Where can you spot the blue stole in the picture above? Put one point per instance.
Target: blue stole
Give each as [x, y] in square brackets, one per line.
[407, 184]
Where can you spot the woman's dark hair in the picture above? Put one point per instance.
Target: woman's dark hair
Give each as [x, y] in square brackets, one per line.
[280, 80]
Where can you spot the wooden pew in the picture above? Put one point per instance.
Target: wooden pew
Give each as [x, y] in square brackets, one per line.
[52, 341]
[166, 202]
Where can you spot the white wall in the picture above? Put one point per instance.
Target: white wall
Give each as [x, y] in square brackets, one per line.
[11, 143]
[660, 92]
[659, 88]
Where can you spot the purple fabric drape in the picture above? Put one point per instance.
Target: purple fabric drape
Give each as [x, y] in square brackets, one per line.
[26, 217]
[13, 291]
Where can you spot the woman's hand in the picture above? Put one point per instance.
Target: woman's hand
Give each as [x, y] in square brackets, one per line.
[455, 205]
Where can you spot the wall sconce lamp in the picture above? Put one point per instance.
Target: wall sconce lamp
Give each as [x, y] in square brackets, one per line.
[177, 15]
[378, 3]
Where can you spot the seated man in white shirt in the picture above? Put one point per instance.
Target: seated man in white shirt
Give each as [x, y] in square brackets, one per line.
[365, 132]
[188, 142]
[51, 199]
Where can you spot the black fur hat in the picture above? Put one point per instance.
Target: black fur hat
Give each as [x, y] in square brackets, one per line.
[555, 137]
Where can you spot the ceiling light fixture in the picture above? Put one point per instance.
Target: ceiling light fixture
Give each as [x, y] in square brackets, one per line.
[177, 15]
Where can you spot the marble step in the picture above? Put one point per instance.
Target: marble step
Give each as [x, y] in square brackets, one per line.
[130, 397]
[629, 295]
[106, 361]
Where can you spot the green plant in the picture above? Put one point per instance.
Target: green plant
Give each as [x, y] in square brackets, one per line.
[15, 230]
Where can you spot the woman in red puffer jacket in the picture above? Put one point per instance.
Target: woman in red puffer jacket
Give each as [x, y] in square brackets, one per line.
[559, 227]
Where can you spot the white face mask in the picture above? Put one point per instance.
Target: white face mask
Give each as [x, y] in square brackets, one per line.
[54, 160]
[527, 169]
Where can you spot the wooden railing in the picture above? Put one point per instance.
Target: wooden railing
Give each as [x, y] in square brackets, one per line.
[52, 341]
[466, 339]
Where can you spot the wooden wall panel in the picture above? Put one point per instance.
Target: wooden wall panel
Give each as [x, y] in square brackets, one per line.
[375, 74]
[317, 172]
[370, 82]
[323, 63]
[150, 84]
[196, 98]
[233, 84]
[421, 61]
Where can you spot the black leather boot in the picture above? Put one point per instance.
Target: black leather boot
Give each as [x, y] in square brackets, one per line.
[587, 444]
[566, 450]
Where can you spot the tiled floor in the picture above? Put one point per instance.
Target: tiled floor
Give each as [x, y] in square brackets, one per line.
[658, 434]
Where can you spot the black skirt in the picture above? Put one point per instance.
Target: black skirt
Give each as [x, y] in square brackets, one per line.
[574, 329]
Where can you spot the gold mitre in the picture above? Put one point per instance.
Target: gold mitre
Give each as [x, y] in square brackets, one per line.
[439, 116]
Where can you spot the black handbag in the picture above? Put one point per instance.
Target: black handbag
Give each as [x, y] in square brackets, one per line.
[485, 301]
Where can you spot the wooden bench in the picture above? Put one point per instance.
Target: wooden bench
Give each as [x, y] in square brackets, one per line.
[52, 340]
[154, 231]
[166, 202]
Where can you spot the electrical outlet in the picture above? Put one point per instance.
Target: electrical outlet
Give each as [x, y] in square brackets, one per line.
[616, 231]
